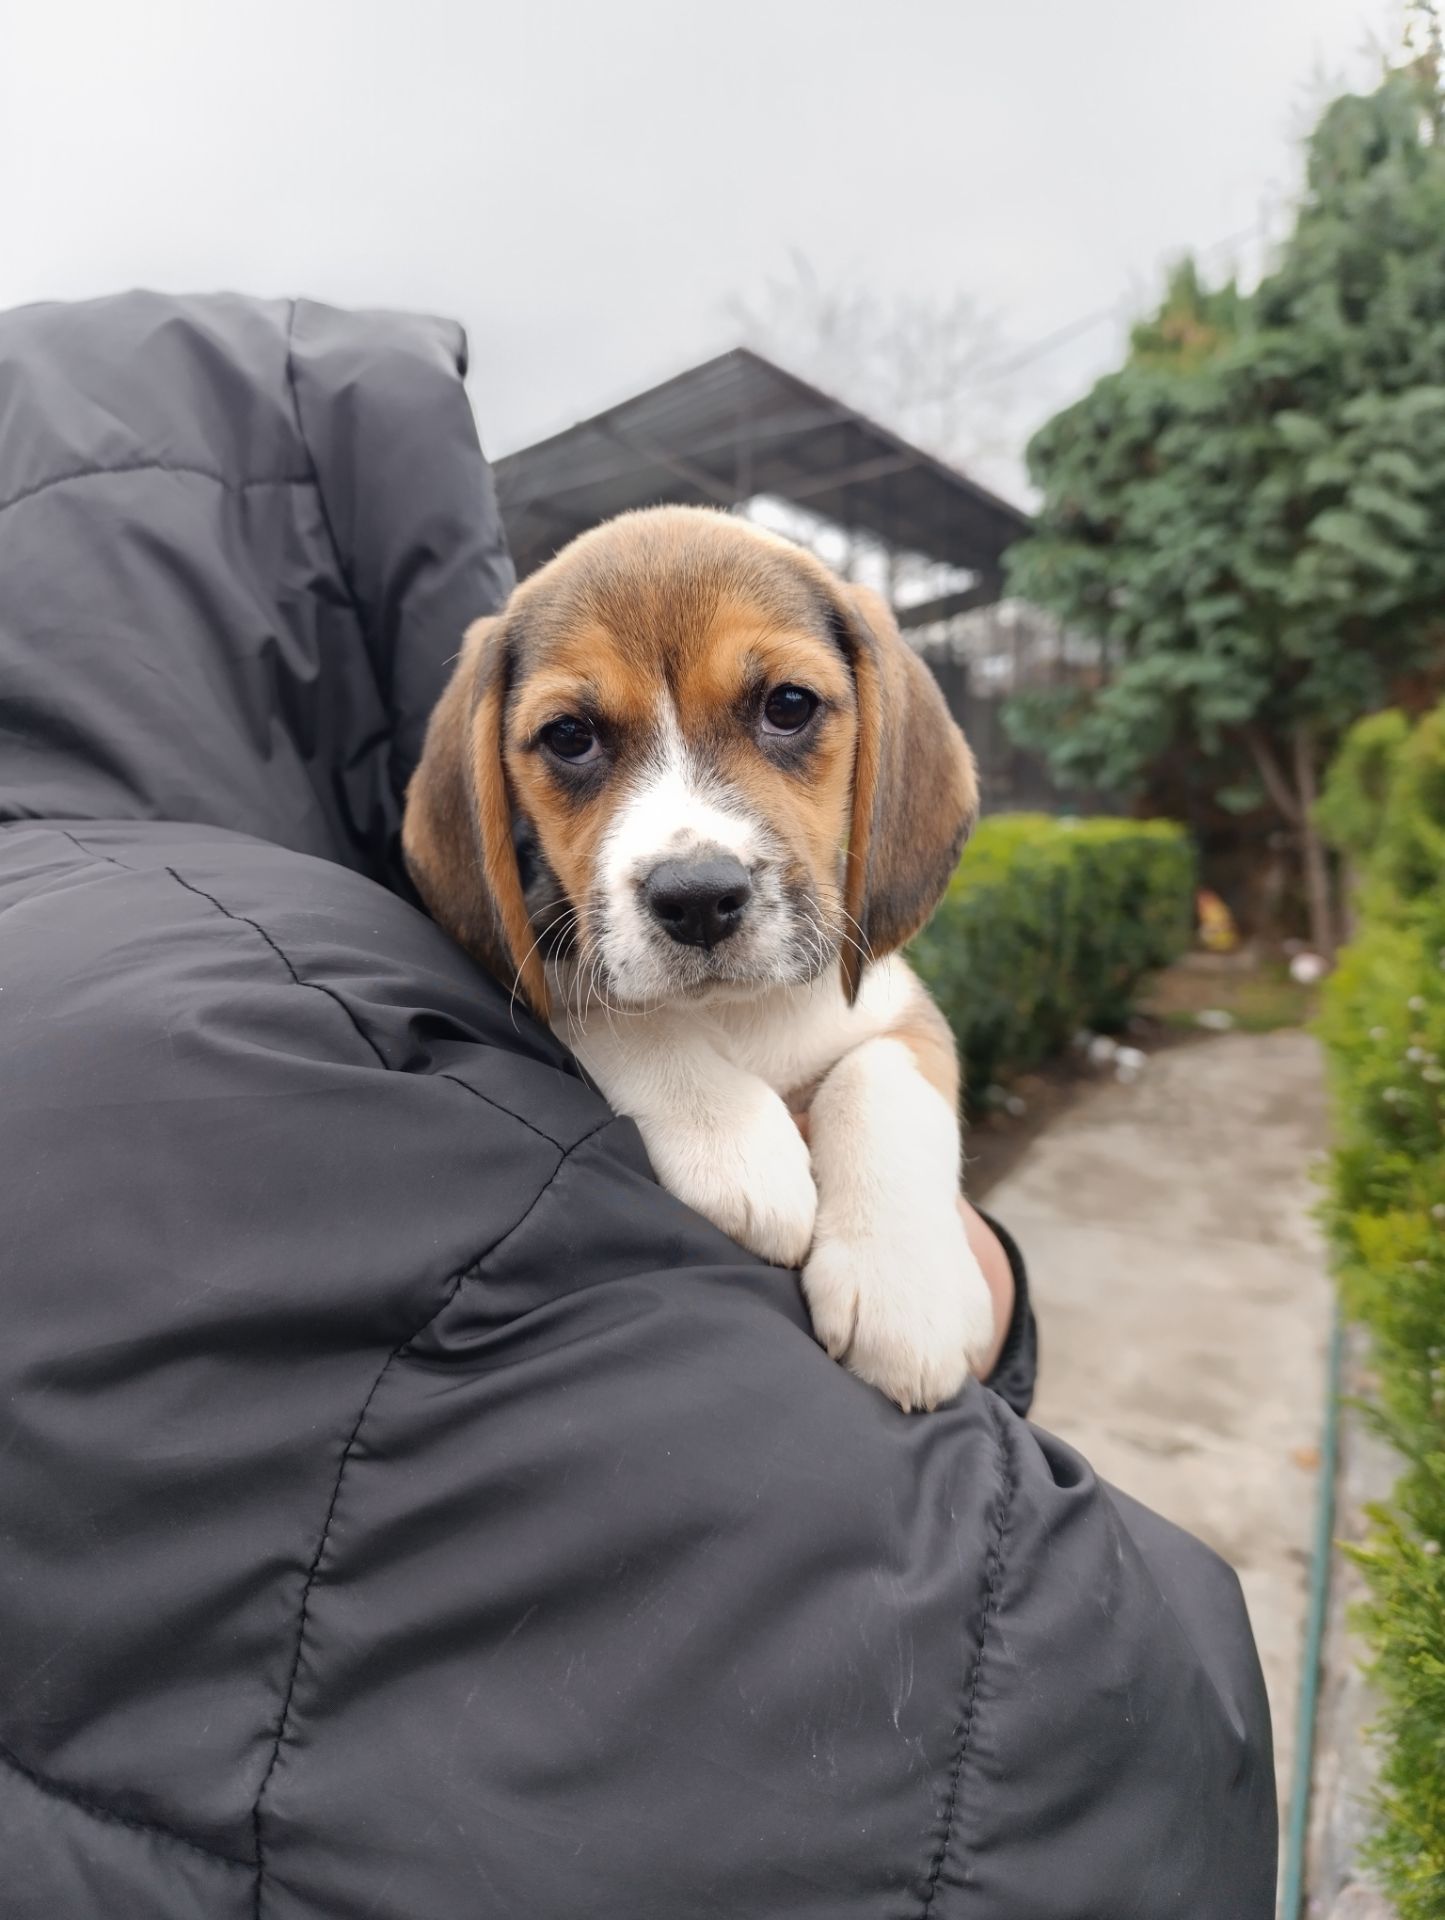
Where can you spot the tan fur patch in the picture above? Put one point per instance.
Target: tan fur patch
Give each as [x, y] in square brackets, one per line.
[807, 811]
[929, 1038]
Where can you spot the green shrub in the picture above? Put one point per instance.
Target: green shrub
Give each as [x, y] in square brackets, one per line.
[1384, 1030]
[1410, 856]
[1048, 926]
[1358, 784]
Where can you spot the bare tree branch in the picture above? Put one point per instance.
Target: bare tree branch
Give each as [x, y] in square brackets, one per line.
[1316, 863]
[916, 363]
[1272, 774]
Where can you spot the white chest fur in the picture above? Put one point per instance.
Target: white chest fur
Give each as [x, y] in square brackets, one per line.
[788, 1037]
[871, 1209]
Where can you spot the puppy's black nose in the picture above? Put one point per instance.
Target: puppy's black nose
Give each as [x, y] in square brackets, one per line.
[698, 902]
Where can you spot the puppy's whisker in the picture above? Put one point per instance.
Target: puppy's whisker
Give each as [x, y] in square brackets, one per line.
[860, 947]
[824, 939]
[554, 922]
[593, 988]
[847, 940]
[578, 960]
[817, 946]
[597, 990]
[827, 953]
[563, 913]
[862, 943]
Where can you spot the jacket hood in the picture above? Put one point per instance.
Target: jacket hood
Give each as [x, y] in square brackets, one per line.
[240, 542]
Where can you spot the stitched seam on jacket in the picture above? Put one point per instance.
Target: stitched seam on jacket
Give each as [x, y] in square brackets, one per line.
[43, 1784]
[331, 993]
[157, 466]
[467, 1087]
[90, 852]
[343, 572]
[296, 980]
[385, 680]
[453, 1286]
[316, 986]
[964, 1734]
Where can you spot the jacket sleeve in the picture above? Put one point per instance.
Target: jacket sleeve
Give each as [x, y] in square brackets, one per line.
[641, 1606]
[1016, 1369]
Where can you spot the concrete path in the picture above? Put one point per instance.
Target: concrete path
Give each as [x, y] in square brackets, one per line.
[1184, 1307]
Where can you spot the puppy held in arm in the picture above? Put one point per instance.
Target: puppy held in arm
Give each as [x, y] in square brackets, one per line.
[688, 795]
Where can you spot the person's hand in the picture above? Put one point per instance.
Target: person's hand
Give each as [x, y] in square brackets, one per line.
[989, 1252]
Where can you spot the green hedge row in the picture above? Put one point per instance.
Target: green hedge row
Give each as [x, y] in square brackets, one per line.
[1383, 1025]
[1048, 926]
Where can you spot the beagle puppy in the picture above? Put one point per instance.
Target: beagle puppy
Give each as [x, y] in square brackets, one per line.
[687, 795]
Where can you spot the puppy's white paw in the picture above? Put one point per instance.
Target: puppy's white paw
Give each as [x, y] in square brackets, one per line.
[750, 1175]
[905, 1307]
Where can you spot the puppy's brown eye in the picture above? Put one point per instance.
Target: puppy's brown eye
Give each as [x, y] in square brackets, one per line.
[788, 709]
[571, 739]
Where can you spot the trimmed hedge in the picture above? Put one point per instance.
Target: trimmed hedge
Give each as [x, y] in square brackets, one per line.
[1048, 926]
[1383, 1025]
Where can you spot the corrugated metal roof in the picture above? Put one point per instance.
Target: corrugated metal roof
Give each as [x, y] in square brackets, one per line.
[739, 426]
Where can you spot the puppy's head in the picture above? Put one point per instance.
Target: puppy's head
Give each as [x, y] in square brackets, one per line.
[685, 760]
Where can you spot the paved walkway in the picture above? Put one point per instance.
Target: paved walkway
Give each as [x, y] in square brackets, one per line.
[1184, 1307]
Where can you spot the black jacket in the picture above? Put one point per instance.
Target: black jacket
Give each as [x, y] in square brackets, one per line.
[407, 1509]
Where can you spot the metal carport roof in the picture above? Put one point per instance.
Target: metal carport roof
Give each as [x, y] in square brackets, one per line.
[738, 426]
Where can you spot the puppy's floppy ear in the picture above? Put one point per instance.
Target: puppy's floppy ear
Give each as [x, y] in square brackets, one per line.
[915, 790]
[457, 829]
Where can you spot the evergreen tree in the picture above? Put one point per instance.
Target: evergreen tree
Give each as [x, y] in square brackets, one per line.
[1250, 514]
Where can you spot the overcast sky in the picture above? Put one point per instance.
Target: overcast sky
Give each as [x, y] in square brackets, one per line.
[587, 184]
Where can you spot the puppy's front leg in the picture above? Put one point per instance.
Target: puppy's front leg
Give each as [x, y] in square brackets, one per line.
[719, 1139]
[893, 1287]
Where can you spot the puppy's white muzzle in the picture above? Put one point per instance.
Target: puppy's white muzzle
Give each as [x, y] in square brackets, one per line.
[689, 892]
